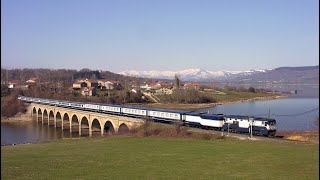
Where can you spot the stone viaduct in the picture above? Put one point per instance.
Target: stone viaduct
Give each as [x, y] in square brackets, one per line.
[82, 121]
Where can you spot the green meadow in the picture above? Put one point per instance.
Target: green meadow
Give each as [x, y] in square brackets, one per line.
[122, 157]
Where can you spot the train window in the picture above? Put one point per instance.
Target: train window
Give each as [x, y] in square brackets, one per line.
[171, 115]
[154, 113]
[162, 114]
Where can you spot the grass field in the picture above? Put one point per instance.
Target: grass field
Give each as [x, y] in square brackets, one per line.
[227, 96]
[121, 157]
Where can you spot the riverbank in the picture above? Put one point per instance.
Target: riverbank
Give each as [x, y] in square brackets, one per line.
[20, 117]
[304, 136]
[206, 105]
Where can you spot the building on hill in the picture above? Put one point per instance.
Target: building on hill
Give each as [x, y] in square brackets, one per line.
[88, 91]
[13, 83]
[92, 83]
[154, 85]
[89, 82]
[192, 85]
[108, 84]
[32, 80]
[78, 85]
[17, 84]
[163, 90]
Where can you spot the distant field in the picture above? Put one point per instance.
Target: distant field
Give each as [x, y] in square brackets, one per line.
[122, 157]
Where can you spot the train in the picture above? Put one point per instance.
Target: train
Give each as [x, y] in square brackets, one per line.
[233, 123]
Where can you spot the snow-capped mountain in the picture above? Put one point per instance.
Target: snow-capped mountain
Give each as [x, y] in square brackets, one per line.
[192, 74]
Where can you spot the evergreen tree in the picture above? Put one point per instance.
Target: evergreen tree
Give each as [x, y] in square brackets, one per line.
[177, 81]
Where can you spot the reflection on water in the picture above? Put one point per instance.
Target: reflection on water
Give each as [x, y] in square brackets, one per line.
[29, 132]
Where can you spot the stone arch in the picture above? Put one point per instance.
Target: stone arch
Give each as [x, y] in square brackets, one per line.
[74, 123]
[96, 127]
[39, 115]
[45, 116]
[84, 126]
[108, 128]
[123, 128]
[58, 120]
[51, 118]
[65, 121]
[34, 113]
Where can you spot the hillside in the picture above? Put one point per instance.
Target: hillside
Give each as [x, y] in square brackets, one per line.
[304, 74]
[294, 75]
[61, 75]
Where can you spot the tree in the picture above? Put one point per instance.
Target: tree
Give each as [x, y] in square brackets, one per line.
[177, 81]
[251, 89]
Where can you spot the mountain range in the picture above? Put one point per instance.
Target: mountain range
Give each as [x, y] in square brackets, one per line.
[303, 74]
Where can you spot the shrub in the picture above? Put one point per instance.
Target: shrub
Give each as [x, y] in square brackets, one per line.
[206, 136]
[11, 106]
[221, 137]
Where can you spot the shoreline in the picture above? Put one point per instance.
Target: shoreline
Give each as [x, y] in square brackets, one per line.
[20, 117]
[208, 105]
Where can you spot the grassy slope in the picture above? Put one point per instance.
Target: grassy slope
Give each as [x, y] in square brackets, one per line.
[227, 96]
[155, 158]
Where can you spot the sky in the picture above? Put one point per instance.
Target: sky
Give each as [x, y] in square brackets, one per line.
[119, 35]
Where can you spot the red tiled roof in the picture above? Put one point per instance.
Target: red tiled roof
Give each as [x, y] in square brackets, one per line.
[14, 82]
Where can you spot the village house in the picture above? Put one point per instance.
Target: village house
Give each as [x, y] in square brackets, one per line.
[89, 83]
[88, 91]
[32, 80]
[192, 85]
[17, 84]
[78, 85]
[154, 85]
[13, 83]
[163, 90]
[107, 84]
